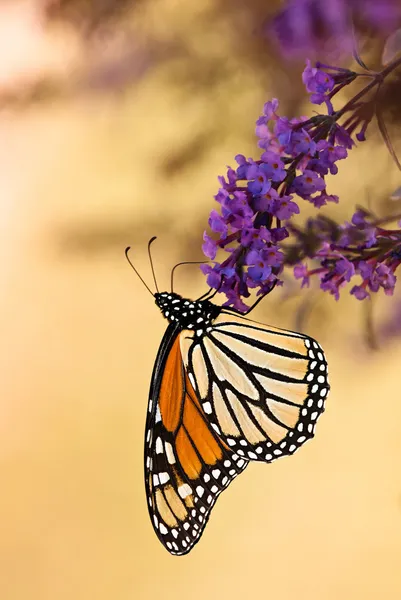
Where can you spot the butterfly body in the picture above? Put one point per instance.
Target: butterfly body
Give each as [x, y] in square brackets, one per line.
[225, 391]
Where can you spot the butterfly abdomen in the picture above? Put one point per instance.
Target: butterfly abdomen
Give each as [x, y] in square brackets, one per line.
[188, 314]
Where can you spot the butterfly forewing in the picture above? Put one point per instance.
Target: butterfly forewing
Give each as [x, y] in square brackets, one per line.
[262, 388]
[187, 465]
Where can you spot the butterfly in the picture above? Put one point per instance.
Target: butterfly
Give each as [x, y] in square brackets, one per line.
[225, 391]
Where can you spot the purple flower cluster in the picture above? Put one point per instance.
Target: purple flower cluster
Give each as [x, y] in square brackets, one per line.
[258, 199]
[307, 27]
[257, 196]
[361, 248]
[324, 81]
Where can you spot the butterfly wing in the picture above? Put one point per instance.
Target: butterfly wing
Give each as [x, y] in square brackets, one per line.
[187, 465]
[262, 388]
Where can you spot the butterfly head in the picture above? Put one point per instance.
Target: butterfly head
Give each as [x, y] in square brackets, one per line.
[167, 300]
[189, 314]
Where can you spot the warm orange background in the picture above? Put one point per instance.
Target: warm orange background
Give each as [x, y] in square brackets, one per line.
[80, 179]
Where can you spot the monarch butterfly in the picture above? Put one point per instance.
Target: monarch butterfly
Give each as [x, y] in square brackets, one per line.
[225, 390]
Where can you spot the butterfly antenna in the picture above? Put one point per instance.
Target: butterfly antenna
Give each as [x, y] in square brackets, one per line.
[190, 262]
[127, 257]
[151, 261]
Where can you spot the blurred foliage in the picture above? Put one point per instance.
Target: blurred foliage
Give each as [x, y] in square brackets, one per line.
[122, 40]
[89, 15]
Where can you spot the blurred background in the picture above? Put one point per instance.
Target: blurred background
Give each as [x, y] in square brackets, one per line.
[115, 120]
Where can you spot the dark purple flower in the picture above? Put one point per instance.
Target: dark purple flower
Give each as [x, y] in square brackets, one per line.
[227, 184]
[359, 219]
[282, 130]
[283, 208]
[342, 137]
[273, 256]
[359, 292]
[213, 278]
[273, 166]
[307, 184]
[322, 199]
[383, 277]
[345, 268]
[259, 269]
[365, 269]
[270, 109]
[265, 202]
[319, 84]
[301, 272]
[258, 179]
[234, 300]
[279, 234]
[236, 211]
[242, 166]
[300, 142]
[221, 196]
[227, 271]
[317, 81]
[331, 285]
[209, 246]
[255, 237]
[329, 154]
[217, 223]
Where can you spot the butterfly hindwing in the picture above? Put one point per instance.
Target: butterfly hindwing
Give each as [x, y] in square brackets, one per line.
[262, 388]
[187, 465]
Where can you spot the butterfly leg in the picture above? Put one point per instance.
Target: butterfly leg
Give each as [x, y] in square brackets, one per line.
[240, 313]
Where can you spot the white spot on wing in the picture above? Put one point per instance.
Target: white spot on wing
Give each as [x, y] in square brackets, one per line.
[207, 407]
[184, 490]
[200, 491]
[169, 453]
[164, 477]
[192, 380]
